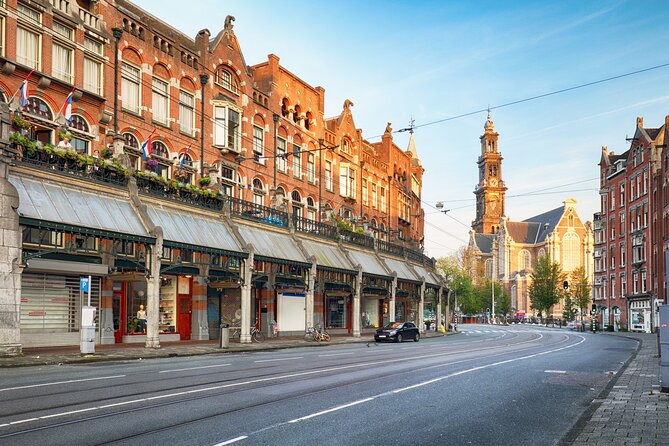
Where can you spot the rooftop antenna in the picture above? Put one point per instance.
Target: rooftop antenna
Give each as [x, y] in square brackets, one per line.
[411, 125]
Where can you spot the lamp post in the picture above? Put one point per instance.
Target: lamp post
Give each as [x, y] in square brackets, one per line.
[275, 118]
[117, 33]
[320, 177]
[203, 82]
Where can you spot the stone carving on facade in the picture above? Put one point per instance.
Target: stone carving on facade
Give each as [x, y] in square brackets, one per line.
[389, 129]
[228, 23]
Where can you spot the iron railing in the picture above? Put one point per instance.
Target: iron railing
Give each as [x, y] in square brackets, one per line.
[255, 212]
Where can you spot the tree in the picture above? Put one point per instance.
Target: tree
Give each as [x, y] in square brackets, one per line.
[546, 288]
[570, 309]
[483, 294]
[580, 289]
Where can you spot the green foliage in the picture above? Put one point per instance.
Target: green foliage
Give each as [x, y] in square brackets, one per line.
[106, 153]
[580, 288]
[20, 123]
[546, 288]
[343, 224]
[204, 181]
[570, 309]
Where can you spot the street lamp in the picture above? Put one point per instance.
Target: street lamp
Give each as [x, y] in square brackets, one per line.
[440, 207]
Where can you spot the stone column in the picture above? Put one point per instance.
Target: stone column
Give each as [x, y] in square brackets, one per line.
[106, 317]
[391, 305]
[311, 290]
[199, 324]
[10, 262]
[247, 272]
[153, 291]
[421, 308]
[357, 298]
[447, 318]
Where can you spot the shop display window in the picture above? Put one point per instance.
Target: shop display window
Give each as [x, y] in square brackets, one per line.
[336, 312]
[168, 296]
[370, 314]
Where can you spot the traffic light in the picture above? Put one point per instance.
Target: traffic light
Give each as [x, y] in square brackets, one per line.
[565, 285]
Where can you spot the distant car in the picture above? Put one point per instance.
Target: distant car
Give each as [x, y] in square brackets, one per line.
[575, 325]
[398, 332]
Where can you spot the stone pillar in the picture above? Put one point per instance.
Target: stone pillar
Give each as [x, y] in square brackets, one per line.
[106, 317]
[357, 298]
[199, 323]
[447, 318]
[10, 248]
[421, 308]
[119, 153]
[153, 291]
[391, 305]
[311, 290]
[247, 273]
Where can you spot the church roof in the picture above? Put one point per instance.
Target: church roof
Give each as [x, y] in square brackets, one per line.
[484, 242]
[652, 133]
[412, 149]
[535, 229]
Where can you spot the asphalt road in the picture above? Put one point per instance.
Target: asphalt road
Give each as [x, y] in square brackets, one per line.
[511, 385]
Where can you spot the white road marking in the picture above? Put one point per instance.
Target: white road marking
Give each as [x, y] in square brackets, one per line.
[334, 409]
[268, 379]
[336, 354]
[69, 381]
[234, 440]
[279, 359]
[194, 368]
[555, 371]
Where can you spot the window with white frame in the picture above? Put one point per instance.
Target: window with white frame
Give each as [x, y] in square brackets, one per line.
[622, 194]
[328, 176]
[80, 134]
[225, 79]
[93, 66]
[623, 284]
[28, 47]
[186, 112]
[258, 144]
[258, 192]
[160, 100]
[643, 281]
[374, 196]
[365, 196]
[61, 62]
[635, 282]
[130, 90]
[645, 215]
[311, 167]
[280, 155]
[2, 35]
[297, 161]
[383, 199]
[524, 259]
[346, 181]
[311, 209]
[227, 132]
[229, 180]
[622, 254]
[160, 153]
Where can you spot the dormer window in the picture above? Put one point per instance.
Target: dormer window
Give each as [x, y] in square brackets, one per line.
[225, 79]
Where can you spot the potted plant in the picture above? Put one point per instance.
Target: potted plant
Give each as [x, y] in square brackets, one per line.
[205, 181]
[181, 176]
[106, 153]
[20, 123]
[151, 165]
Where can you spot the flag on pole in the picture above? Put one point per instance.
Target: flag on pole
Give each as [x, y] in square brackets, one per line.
[146, 146]
[182, 158]
[66, 109]
[23, 91]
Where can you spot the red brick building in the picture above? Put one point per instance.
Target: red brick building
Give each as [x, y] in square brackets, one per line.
[630, 232]
[224, 176]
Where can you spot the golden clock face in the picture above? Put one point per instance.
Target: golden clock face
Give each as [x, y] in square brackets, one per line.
[493, 182]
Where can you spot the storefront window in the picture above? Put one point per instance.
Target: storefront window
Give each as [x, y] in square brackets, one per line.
[370, 314]
[400, 311]
[168, 296]
[336, 312]
[135, 296]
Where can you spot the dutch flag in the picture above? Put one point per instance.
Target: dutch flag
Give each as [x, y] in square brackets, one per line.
[146, 146]
[66, 110]
[23, 90]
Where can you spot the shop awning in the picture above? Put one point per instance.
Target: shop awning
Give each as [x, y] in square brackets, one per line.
[369, 263]
[193, 229]
[327, 255]
[403, 271]
[430, 278]
[48, 201]
[272, 244]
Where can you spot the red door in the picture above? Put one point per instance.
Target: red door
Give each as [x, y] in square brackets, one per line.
[184, 317]
[119, 308]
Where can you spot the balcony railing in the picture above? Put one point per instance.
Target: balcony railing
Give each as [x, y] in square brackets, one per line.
[255, 212]
[357, 239]
[314, 227]
[61, 5]
[414, 256]
[71, 163]
[390, 248]
[152, 184]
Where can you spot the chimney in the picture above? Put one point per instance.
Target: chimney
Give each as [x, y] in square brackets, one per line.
[666, 122]
[604, 150]
[639, 122]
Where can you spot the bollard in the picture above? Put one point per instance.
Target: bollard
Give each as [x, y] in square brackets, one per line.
[224, 338]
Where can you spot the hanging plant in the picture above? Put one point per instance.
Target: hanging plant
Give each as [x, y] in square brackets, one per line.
[151, 164]
[106, 153]
[20, 123]
[181, 176]
[204, 181]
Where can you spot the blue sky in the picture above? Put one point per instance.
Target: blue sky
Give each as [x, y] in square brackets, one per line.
[433, 60]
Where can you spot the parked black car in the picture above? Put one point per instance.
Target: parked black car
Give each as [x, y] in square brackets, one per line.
[398, 332]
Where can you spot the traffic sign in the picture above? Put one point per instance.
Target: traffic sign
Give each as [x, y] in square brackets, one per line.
[84, 284]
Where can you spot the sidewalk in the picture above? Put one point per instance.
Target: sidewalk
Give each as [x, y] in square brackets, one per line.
[39, 356]
[631, 410]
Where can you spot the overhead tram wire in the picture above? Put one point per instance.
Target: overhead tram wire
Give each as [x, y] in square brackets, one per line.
[531, 98]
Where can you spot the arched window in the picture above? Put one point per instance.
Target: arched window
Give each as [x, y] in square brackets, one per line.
[186, 160]
[524, 259]
[284, 107]
[79, 126]
[488, 268]
[297, 203]
[514, 297]
[160, 154]
[571, 251]
[280, 191]
[258, 192]
[225, 79]
[38, 107]
[541, 253]
[159, 149]
[130, 141]
[311, 209]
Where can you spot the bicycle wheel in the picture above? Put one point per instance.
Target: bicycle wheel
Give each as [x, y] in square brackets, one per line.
[318, 337]
[258, 336]
[326, 336]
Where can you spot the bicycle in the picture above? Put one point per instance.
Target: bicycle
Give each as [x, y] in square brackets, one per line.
[318, 334]
[256, 335]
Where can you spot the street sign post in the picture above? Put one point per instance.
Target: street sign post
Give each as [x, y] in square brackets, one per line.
[87, 331]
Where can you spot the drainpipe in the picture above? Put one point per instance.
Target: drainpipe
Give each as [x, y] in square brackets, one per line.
[203, 82]
[117, 33]
[275, 118]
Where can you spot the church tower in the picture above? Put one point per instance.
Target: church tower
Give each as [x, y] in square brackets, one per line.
[490, 188]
